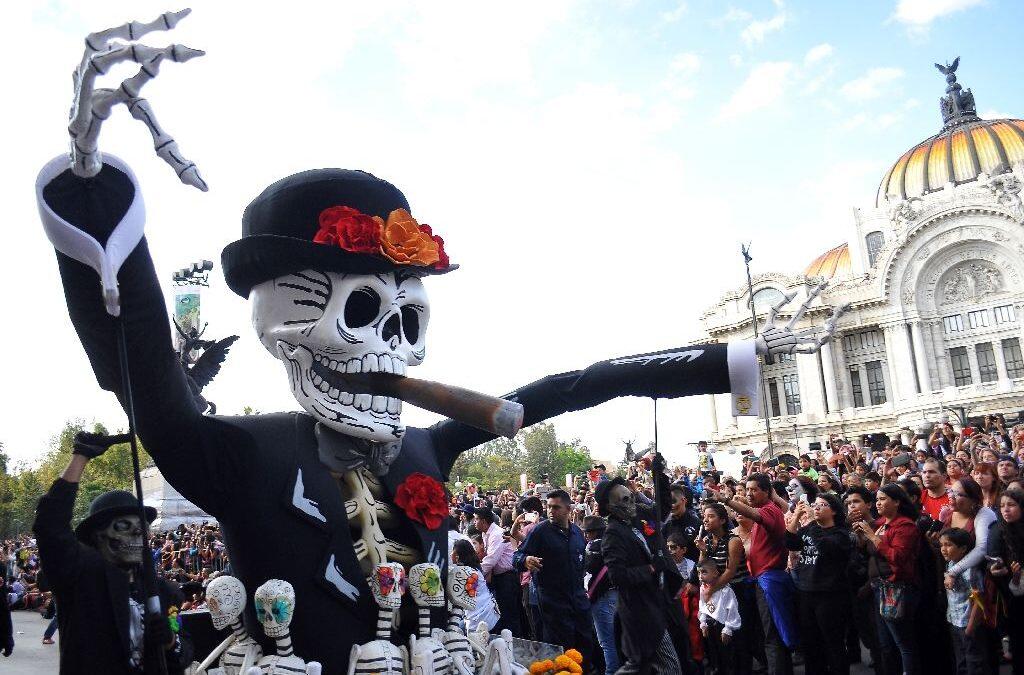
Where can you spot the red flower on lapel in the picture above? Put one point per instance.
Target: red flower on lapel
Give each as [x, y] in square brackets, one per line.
[648, 530]
[422, 498]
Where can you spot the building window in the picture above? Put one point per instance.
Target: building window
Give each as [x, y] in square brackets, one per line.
[874, 242]
[773, 393]
[953, 324]
[767, 297]
[961, 366]
[1012, 357]
[791, 386]
[977, 319]
[1005, 314]
[876, 382]
[858, 393]
[785, 358]
[986, 362]
[868, 339]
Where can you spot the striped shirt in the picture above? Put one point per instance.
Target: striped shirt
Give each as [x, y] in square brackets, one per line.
[720, 554]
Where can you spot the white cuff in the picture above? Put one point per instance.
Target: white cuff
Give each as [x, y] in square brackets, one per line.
[744, 376]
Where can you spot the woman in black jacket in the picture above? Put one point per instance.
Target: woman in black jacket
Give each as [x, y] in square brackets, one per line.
[824, 590]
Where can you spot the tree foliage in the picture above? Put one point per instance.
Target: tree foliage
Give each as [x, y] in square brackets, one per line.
[497, 464]
[21, 488]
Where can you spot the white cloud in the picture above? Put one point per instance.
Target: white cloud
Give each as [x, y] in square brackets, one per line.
[686, 64]
[735, 60]
[818, 53]
[918, 15]
[755, 31]
[733, 15]
[872, 84]
[762, 88]
[676, 14]
[993, 114]
[679, 81]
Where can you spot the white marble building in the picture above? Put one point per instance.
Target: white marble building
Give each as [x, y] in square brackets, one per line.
[932, 272]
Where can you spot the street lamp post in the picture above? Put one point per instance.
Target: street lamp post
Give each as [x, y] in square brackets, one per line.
[745, 250]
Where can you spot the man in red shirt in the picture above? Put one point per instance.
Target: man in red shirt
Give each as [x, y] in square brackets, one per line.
[935, 494]
[767, 562]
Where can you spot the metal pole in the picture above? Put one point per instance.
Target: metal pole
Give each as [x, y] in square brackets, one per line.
[156, 657]
[745, 250]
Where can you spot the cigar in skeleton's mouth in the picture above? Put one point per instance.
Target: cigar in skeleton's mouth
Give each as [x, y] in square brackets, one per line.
[489, 413]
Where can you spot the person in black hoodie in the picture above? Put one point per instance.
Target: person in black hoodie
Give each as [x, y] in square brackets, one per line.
[6, 626]
[604, 598]
[824, 590]
[860, 504]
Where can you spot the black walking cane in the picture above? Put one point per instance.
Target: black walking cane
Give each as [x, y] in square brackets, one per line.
[154, 659]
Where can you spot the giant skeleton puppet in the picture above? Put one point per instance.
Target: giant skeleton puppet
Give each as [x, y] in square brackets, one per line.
[333, 264]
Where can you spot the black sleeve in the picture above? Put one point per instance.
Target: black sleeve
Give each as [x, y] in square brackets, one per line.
[169, 423]
[59, 549]
[673, 373]
[794, 541]
[6, 625]
[621, 574]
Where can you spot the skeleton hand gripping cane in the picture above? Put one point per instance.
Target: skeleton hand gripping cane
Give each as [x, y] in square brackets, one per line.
[785, 340]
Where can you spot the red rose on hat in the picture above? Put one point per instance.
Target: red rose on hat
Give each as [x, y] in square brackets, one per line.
[349, 229]
[422, 498]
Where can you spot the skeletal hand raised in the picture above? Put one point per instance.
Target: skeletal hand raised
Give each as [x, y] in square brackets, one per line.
[91, 106]
[774, 340]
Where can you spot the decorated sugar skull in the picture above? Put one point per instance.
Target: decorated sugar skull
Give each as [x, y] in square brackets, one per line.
[462, 585]
[333, 261]
[275, 605]
[387, 582]
[225, 597]
[425, 585]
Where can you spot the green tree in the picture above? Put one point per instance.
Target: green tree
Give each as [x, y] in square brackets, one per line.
[540, 443]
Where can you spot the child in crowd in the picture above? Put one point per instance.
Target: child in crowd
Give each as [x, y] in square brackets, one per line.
[962, 611]
[719, 617]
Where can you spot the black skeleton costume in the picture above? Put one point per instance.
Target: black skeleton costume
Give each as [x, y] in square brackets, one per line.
[292, 490]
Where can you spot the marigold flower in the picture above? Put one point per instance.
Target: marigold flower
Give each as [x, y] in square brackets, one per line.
[405, 243]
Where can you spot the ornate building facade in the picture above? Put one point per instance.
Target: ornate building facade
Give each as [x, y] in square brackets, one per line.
[932, 275]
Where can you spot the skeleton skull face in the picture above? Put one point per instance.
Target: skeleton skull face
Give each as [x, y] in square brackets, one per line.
[275, 604]
[225, 596]
[425, 585]
[387, 583]
[462, 584]
[794, 489]
[120, 542]
[324, 324]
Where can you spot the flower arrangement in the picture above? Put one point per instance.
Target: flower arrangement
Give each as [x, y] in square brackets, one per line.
[400, 239]
[569, 663]
[422, 498]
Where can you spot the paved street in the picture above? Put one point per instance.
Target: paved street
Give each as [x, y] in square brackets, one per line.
[31, 656]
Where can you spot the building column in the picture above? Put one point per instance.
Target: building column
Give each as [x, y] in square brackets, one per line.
[828, 371]
[938, 350]
[845, 391]
[921, 358]
[898, 362]
[714, 413]
[811, 398]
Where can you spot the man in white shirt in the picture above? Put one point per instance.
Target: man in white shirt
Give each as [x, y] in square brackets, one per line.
[497, 568]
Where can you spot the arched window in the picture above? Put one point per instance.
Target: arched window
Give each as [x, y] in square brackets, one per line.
[766, 297]
[874, 242]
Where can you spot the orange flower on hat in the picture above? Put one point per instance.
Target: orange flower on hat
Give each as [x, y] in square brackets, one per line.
[404, 242]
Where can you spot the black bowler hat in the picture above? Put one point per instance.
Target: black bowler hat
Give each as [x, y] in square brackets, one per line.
[108, 506]
[278, 228]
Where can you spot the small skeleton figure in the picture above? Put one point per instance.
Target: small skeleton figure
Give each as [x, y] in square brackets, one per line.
[461, 587]
[275, 604]
[426, 653]
[225, 596]
[387, 583]
[500, 659]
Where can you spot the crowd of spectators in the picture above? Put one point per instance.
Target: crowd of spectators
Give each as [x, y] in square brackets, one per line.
[907, 551]
[189, 555]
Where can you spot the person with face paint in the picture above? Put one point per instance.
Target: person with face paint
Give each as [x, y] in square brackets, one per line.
[634, 566]
[95, 574]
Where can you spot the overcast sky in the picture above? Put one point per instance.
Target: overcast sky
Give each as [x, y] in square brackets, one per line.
[592, 166]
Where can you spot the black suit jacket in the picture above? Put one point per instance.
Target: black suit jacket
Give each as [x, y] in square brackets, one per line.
[281, 512]
[92, 594]
[642, 609]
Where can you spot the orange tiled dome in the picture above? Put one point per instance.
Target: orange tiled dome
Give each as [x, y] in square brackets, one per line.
[831, 263]
[955, 155]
